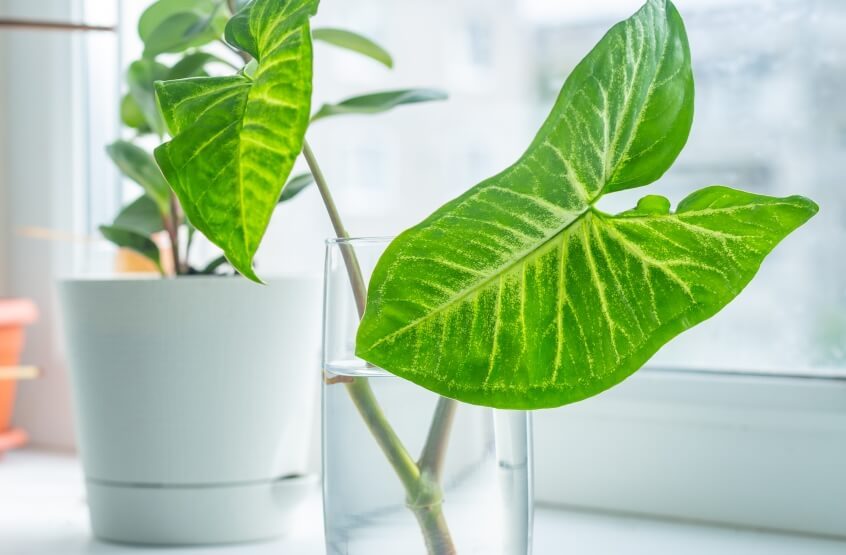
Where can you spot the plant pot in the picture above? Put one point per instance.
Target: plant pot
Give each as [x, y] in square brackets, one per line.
[15, 314]
[475, 495]
[194, 402]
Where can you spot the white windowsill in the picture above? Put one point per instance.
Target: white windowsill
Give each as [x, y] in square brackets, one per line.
[42, 512]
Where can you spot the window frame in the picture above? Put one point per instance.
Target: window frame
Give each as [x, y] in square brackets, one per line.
[749, 450]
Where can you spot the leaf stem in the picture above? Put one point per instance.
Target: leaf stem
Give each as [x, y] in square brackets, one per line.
[423, 491]
[171, 222]
[434, 451]
[350, 259]
[399, 458]
[189, 242]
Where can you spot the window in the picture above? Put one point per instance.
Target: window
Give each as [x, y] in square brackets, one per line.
[54, 180]
[749, 407]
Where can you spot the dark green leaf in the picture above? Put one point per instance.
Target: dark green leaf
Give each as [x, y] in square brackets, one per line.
[521, 294]
[134, 241]
[132, 116]
[137, 164]
[376, 103]
[295, 186]
[194, 65]
[354, 42]
[214, 265]
[235, 139]
[141, 216]
[140, 78]
[177, 25]
[238, 33]
[241, 30]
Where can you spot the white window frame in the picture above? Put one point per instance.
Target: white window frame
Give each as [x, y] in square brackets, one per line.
[763, 451]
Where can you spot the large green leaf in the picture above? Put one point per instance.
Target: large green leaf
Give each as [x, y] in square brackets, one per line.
[376, 103]
[354, 42]
[138, 165]
[522, 294]
[235, 138]
[176, 25]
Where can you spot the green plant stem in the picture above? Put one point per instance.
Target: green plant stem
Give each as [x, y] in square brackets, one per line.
[189, 242]
[435, 530]
[350, 259]
[423, 491]
[434, 451]
[399, 458]
[171, 222]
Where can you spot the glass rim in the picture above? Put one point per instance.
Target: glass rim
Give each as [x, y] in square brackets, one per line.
[358, 240]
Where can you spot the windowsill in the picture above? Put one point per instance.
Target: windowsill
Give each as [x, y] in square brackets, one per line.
[42, 512]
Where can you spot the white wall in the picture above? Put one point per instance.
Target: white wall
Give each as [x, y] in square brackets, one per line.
[42, 171]
[4, 199]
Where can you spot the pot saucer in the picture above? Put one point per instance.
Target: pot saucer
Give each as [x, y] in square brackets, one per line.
[197, 514]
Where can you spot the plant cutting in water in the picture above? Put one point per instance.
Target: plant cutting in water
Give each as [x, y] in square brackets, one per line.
[521, 293]
[184, 34]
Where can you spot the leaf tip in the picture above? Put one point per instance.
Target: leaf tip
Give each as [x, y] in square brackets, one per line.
[809, 205]
[653, 205]
[245, 268]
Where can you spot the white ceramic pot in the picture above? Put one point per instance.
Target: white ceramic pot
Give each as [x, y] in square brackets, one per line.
[194, 401]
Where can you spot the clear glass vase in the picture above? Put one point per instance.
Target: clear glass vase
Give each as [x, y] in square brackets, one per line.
[404, 470]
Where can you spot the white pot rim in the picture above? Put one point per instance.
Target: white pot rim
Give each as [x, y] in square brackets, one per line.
[152, 278]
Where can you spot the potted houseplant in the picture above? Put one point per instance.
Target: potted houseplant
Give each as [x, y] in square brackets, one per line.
[194, 393]
[520, 294]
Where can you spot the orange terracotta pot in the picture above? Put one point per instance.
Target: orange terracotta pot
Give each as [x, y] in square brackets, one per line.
[14, 315]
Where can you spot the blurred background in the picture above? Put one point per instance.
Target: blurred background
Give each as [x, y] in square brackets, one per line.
[770, 118]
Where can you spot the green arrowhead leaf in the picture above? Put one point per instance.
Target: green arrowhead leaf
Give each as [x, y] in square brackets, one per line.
[137, 242]
[176, 25]
[235, 138]
[295, 186]
[377, 103]
[521, 294]
[353, 42]
[141, 216]
[138, 165]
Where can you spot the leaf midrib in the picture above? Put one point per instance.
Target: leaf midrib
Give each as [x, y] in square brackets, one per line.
[461, 295]
[588, 210]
